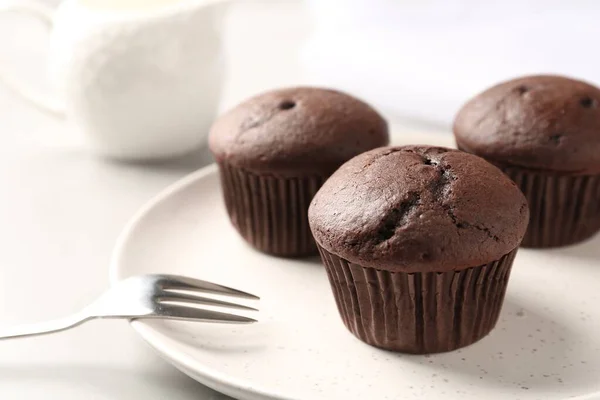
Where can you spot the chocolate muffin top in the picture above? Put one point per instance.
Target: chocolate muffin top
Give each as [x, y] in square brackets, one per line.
[418, 209]
[297, 131]
[538, 122]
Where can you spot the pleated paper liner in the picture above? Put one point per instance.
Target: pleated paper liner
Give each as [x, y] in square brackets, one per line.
[418, 313]
[564, 209]
[271, 213]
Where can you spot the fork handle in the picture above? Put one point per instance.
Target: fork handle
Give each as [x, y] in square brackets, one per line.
[43, 328]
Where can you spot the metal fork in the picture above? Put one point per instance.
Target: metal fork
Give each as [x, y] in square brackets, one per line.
[148, 296]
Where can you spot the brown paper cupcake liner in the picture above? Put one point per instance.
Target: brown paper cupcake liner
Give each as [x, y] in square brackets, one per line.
[418, 312]
[564, 209]
[271, 213]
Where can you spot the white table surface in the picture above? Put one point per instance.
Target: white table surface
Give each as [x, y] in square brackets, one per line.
[61, 210]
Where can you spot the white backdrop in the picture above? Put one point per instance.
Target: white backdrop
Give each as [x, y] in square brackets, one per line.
[424, 58]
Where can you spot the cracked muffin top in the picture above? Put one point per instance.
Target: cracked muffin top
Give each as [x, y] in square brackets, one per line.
[419, 209]
[538, 122]
[297, 131]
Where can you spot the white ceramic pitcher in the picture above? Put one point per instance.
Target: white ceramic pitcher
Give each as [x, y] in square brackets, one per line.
[140, 78]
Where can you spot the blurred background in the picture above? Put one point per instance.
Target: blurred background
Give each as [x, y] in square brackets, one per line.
[423, 59]
[413, 59]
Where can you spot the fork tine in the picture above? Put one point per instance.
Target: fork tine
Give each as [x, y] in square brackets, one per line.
[185, 283]
[172, 296]
[198, 314]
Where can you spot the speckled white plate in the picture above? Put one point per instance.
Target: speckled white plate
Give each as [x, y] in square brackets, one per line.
[546, 345]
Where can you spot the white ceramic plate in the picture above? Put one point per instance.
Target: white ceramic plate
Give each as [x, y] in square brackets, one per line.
[546, 345]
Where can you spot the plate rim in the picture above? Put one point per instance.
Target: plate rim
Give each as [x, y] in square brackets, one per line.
[213, 379]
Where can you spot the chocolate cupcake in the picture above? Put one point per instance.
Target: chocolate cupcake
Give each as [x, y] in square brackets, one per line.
[275, 150]
[544, 132]
[418, 243]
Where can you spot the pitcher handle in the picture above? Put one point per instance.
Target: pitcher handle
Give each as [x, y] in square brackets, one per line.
[31, 95]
